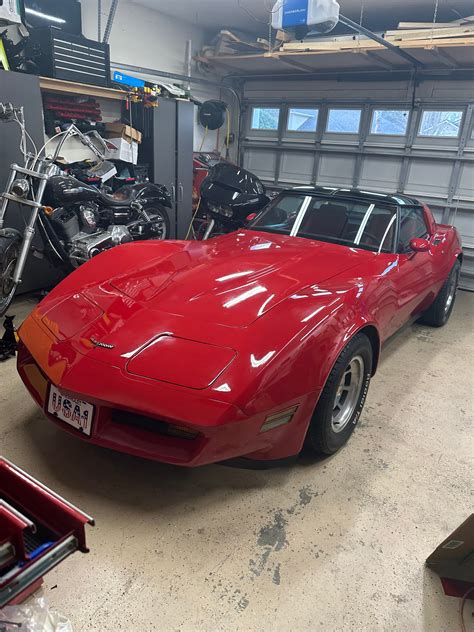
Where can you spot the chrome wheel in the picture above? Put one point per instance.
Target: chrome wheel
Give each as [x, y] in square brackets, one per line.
[159, 228]
[348, 393]
[453, 284]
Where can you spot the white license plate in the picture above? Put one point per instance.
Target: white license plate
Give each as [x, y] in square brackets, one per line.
[74, 412]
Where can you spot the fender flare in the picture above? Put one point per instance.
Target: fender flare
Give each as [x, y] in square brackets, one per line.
[360, 326]
[154, 192]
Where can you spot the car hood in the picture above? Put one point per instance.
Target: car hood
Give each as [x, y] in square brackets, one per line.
[235, 279]
[179, 312]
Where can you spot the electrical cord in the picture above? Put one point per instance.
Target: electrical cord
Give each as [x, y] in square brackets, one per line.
[204, 138]
[191, 225]
[249, 13]
[435, 19]
[227, 138]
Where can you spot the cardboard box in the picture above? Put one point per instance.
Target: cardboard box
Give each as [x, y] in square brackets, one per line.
[119, 130]
[10, 12]
[454, 558]
[121, 149]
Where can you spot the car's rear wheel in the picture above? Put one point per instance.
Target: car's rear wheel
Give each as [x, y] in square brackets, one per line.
[342, 400]
[440, 311]
[160, 229]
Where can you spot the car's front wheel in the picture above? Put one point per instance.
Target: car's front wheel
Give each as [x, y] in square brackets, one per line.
[342, 400]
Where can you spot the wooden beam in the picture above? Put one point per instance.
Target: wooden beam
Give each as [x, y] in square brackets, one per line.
[286, 59]
[442, 56]
[379, 60]
[458, 31]
[363, 45]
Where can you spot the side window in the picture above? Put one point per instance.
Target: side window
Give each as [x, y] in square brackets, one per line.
[412, 226]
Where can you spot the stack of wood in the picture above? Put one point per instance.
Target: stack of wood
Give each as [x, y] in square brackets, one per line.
[407, 35]
[411, 31]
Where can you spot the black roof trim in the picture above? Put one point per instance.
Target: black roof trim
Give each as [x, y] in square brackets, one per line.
[386, 198]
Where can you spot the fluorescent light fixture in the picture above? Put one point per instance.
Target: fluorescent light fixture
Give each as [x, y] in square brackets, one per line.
[45, 16]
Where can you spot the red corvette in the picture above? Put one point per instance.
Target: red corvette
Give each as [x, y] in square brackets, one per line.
[249, 344]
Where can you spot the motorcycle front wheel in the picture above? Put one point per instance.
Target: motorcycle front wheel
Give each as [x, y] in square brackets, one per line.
[9, 253]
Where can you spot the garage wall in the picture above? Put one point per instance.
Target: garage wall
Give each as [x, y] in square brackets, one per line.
[438, 169]
[147, 38]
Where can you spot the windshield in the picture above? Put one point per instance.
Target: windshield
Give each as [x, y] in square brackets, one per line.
[360, 224]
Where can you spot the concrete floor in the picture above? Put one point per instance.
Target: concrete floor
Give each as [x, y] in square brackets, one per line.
[335, 545]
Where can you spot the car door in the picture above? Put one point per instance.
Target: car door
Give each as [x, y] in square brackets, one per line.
[414, 278]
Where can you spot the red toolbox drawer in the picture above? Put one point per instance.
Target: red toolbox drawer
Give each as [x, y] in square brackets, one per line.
[38, 529]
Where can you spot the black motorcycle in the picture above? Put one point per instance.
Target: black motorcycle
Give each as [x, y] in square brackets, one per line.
[76, 221]
[229, 195]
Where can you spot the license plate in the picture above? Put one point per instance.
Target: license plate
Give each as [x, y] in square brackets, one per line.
[74, 412]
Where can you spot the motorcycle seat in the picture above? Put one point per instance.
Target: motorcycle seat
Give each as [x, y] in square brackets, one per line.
[121, 197]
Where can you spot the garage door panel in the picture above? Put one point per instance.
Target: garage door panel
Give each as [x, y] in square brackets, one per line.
[337, 170]
[380, 173]
[261, 162]
[297, 167]
[463, 222]
[429, 177]
[466, 184]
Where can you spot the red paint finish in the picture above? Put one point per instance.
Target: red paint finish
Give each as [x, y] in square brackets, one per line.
[216, 336]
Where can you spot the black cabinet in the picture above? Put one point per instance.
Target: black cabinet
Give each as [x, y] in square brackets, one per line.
[172, 141]
[70, 57]
[23, 90]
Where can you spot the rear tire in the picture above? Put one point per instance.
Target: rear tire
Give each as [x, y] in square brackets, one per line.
[9, 252]
[342, 400]
[440, 311]
[163, 224]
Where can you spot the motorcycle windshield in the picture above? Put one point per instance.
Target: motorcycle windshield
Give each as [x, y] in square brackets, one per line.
[233, 177]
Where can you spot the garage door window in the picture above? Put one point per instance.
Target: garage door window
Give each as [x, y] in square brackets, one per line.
[445, 124]
[344, 121]
[390, 122]
[265, 118]
[302, 120]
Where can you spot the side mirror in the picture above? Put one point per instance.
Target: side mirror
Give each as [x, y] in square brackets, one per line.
[250, 217]
[420, 245]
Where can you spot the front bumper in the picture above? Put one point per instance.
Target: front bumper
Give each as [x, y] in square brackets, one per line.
[237, 437]
[222, 430]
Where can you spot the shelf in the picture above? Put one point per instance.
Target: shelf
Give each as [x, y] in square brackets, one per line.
[81, 89]
[314, 57]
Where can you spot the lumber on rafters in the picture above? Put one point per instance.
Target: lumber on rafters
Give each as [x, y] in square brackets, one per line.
[314, 46]
[458, 31]
[437, 25]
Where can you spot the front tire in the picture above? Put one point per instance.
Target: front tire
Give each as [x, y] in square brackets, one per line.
[440, 311]
[9, 253]
[342, 400]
